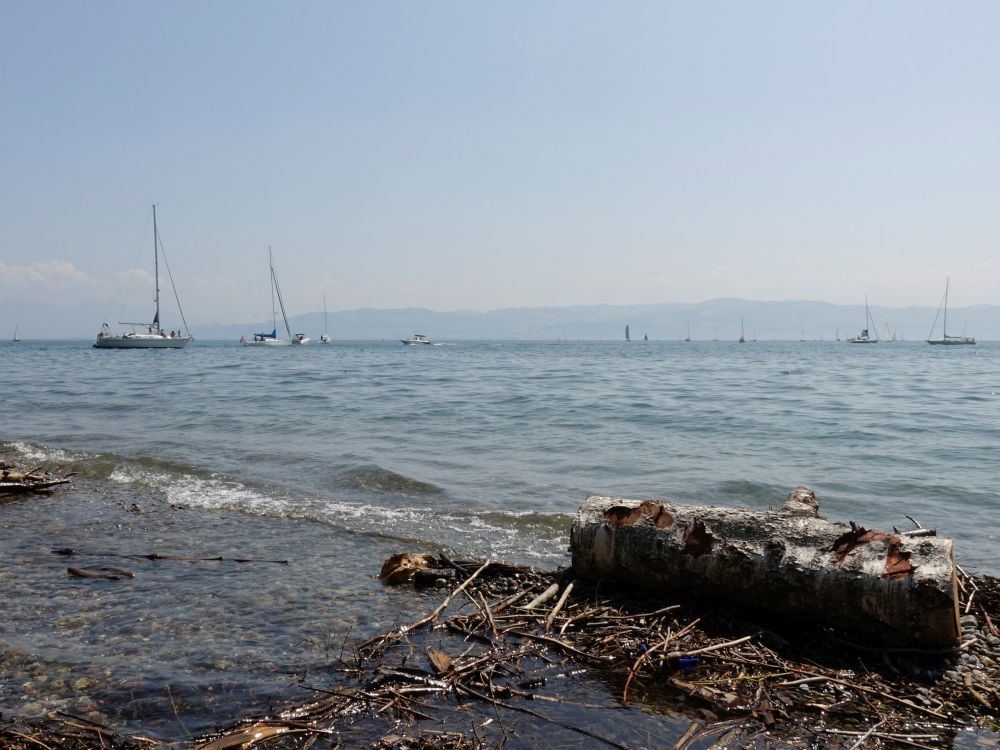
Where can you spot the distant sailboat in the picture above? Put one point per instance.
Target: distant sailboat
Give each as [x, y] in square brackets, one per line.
[17, 339]
[154, 337]
[688, 337]
[325, 338]
[945, 338]
[645, 337]
[271, 339]
[864, 337]
[742, 339]
[626, 334]
[838, 334]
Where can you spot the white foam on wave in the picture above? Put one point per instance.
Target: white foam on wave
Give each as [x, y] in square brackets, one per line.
[47, 455]
[468, 533]
[128, 474]
[225, 494]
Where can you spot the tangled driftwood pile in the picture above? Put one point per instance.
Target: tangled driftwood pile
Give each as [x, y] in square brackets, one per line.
[492, 673]
[16, 483]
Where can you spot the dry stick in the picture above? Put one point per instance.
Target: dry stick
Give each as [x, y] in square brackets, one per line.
[501, 606]
[664, 610]
[433, 615]
[25, 737]
[989, 621]
[543, 597]
[865, 736]
[975, 693]
[559, 644]
[489, 615]
[511, 707]
[688, 734]
[707, 649]
[555, 610]
[872, 691]
[803, 681]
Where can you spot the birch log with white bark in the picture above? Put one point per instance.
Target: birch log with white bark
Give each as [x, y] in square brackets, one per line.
[898, 587]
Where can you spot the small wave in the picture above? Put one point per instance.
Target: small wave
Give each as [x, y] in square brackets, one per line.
[45, 455]
[377, 479]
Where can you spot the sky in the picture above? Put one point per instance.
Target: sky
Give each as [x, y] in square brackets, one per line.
[455, 155]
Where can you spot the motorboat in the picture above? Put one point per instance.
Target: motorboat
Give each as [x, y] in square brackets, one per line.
[418, 338]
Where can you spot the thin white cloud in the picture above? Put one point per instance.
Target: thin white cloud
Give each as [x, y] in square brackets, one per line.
[43, 276]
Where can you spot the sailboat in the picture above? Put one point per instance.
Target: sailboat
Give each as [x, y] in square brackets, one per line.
[945, 338]
[742, 338]
[325, 338]
[688, 337]
[17, 339]
[271, 339]
[863, 337]
[154, 337]
[626, 334]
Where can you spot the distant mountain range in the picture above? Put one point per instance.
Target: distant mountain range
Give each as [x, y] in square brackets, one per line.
[714, 319]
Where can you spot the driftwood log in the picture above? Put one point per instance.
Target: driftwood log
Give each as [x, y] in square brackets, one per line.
[898, 587]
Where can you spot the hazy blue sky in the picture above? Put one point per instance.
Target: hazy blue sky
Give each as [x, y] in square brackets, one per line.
[464, 155]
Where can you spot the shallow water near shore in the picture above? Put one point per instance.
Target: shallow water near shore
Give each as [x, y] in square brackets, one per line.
[332, 458]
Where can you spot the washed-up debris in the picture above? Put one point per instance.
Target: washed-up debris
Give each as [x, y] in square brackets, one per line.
[488, 668]
[64, 731]
[16, 482]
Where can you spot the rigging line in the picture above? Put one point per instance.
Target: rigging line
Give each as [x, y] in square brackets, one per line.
[135, 269]
[281, 302]
[170, 275]
[934, 324]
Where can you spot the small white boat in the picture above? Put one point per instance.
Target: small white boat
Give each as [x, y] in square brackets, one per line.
[864, 337]
[418, 338]
[945, 338]
[325, 338]
[17, 339]
[155, 337]
[271, 339]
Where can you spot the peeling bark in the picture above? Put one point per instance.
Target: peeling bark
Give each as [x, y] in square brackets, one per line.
[898, 587]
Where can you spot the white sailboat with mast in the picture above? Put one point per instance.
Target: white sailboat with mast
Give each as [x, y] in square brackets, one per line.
[155, 336]
[864, 337]
[325, 338]
[945, 338]
[271, 339]
[17, 339]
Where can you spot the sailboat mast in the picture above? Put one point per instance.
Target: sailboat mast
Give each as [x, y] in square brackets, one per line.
[156, 268]
[944, 329]
[274, 310]
[281, 302]
[324, 315]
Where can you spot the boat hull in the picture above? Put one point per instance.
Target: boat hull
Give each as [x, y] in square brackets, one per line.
[141, 341]
[952, 342]
[268, 342]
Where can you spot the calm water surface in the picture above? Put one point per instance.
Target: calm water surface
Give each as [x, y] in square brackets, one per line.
[334, 457]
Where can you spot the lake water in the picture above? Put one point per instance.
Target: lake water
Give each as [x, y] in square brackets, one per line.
[333, 457]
